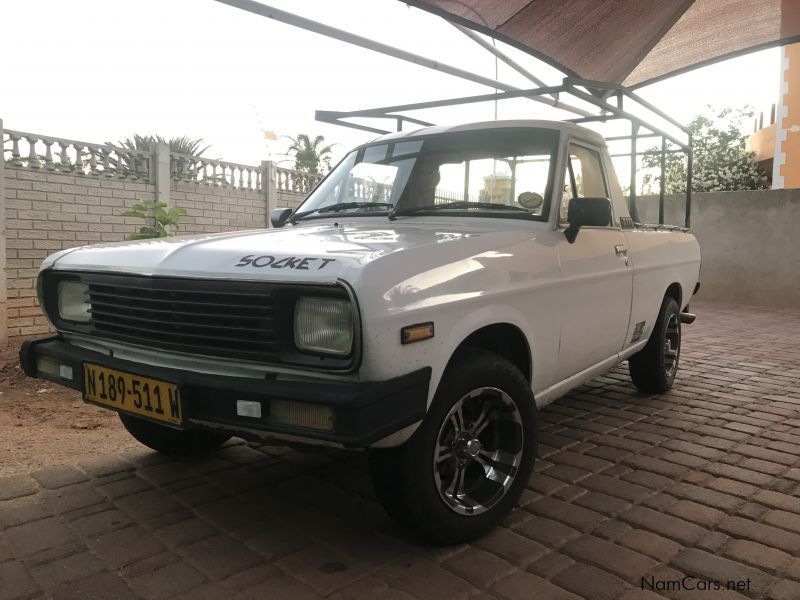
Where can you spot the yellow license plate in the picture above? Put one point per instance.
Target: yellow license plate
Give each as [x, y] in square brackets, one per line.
[152, 398]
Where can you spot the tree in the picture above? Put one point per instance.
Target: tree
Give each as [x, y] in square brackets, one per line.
[721, 160]
[310, 156]
[147, 143]
[179, 145]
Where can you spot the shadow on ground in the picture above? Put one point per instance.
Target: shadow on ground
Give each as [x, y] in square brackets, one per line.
[630, 491]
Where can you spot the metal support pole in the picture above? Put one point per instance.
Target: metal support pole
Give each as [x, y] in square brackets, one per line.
[357, 40]
[499, 54]
[466, 181]
[689, 175]
[351, 38]
[335, 117]
[624, 115]
[632, 201]
[663, 181]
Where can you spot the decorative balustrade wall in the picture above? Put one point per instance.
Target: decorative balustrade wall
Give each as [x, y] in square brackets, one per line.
[290, 181]
[61, 193]
[217, 173]
[61, 155]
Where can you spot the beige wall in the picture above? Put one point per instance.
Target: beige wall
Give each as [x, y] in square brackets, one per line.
[749, 240]
[3, 290]
[47, 211]
[289, 200]
[210, 209]
[749, 243]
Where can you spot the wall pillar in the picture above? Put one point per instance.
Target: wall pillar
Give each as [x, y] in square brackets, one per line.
[269, 187]
[3, 288]
[161, 173]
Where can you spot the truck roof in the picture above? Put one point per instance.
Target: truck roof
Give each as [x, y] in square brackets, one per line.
[561, 126]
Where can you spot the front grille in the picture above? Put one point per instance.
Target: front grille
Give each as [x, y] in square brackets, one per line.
[232, 319]
[187, 316]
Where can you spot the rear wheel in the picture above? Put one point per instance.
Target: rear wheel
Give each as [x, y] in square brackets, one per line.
[172, 441]
[654, 367]
[466, 465]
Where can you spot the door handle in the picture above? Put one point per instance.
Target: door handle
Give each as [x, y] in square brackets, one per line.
[621, 250]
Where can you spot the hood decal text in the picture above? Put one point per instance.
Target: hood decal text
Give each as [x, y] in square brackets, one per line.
[288, 262]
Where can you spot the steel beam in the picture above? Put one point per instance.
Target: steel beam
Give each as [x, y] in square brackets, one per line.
[270, 12]
[475, 37]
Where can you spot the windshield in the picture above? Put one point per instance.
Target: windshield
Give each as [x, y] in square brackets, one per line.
[506, 172]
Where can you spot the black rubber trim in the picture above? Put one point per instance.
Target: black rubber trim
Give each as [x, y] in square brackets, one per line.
[688, 318]
[364, 412]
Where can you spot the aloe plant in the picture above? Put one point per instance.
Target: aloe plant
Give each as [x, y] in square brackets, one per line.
[159, 219]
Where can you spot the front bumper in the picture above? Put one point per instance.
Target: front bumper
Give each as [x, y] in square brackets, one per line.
[364, 412]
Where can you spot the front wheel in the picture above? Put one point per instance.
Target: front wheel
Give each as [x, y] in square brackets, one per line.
[467, 464]
[172, 441]
[654, 367]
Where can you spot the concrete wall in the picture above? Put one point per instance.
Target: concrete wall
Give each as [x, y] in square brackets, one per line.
[749, 240]
[750, 243]
[289, 200]
[211, 209]
[3, 282]
[45, 212]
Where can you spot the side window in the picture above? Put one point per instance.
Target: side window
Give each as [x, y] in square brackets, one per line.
[584, 177]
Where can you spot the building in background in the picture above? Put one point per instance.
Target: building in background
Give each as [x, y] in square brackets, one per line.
[776, 144]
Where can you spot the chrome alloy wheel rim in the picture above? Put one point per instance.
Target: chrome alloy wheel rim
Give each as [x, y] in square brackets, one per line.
[478, 451]
[672, 345]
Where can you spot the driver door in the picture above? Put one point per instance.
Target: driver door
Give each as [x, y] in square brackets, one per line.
[597, 278]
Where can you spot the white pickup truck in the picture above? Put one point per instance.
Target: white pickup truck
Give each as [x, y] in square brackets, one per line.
[434, 291]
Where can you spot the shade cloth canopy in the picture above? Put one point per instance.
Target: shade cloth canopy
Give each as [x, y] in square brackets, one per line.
[629, 42]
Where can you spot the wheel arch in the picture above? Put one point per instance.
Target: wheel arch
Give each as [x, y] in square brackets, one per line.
[675, 291]
[504, 339]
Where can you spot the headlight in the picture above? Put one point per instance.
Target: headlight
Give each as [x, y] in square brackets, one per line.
[73, 301]
[323, 325]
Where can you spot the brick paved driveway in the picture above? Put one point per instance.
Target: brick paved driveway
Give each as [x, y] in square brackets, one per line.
[703, 481]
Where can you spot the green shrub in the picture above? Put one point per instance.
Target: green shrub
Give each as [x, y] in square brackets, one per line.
[159, 219]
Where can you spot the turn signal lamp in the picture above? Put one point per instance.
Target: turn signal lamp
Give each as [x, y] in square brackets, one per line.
[301, 414]
[416, 333]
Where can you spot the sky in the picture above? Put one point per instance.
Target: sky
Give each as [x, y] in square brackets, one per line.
[101, 70]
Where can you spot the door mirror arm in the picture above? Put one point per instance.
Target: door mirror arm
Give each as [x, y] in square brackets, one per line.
[571, 233]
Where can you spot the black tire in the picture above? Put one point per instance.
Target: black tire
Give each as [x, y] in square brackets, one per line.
[172, 441]
[654, 367]
[415, 492]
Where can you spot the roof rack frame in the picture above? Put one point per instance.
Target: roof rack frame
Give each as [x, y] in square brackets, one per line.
[594, 93]
[640, 128]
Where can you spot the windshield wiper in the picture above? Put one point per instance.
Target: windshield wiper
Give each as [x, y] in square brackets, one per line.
[342, 206]
[346, 205]
[462, 204]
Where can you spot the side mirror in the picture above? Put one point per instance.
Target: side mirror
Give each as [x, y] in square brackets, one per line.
[587, 212]
[279, 216]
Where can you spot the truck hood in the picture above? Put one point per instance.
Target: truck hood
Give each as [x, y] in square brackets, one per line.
[307, 252]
